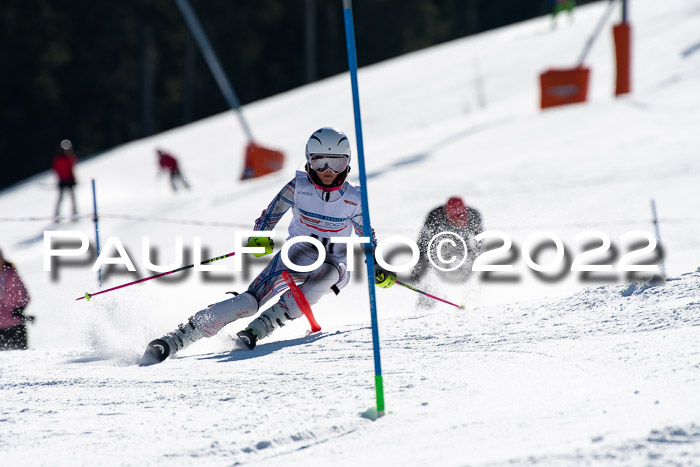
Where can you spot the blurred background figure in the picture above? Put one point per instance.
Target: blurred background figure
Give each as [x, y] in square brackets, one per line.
[563, 5]
[13, 300]
[63, 163]
[454, 217]
[167, 162]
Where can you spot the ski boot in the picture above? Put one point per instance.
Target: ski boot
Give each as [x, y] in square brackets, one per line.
[160, 349]
[205, 323]
[267, 322]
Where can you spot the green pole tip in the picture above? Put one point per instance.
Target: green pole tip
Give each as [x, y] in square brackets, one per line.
[88, 296]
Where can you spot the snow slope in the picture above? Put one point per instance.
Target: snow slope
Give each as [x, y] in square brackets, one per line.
[558, 370]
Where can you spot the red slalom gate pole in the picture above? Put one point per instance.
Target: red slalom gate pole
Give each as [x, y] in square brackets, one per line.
[301, 301]
[89, 295]
[410, 287]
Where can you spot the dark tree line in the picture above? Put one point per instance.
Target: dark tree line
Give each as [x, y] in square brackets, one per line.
[102, 73]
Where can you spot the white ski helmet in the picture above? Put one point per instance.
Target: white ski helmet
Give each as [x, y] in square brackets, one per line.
[329, 142]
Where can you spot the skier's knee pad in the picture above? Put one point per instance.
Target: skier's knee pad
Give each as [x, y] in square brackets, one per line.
[319, 282]
[212, 319]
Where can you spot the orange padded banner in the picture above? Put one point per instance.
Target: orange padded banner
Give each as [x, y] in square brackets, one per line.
[260, 161]
[623, 38]
[560, 87]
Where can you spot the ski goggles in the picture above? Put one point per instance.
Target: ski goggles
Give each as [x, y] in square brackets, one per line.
[336, 164]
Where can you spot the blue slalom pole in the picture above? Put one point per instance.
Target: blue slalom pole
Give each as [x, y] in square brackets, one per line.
[655, 220]
[97, 230]
[366, 226]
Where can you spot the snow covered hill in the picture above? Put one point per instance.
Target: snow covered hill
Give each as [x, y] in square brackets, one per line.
[570, 369]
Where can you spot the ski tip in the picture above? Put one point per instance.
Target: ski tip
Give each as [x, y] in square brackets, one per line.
[246, 339]
[156, 352]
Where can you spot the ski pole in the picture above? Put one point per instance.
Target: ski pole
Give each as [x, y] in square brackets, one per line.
[410, 287]
[88, 295]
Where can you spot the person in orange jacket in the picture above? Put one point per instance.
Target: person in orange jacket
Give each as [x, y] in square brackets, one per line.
[13, 300]
[63, 163]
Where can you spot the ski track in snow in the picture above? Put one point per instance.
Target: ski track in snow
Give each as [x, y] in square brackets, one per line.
[523, 354]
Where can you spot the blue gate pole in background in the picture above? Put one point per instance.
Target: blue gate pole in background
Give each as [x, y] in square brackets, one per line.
[213, 62]
[366, 226]
[97, 231]
[655, 220]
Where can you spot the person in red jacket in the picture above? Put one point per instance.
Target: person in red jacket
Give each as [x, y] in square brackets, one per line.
[167, 162]
[63, 164]
[13, 299]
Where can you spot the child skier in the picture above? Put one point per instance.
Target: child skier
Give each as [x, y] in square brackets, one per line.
[324, 205]
[168, 163]
[63, 163]
[561, 6]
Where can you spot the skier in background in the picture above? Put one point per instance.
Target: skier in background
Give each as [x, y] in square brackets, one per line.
[63, 163]
[324, 205]
[453, 217]
[560, 6]
[166, 162]
[13, 300]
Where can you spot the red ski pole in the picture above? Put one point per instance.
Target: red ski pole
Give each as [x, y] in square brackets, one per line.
[89, 295]
[410, 287]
